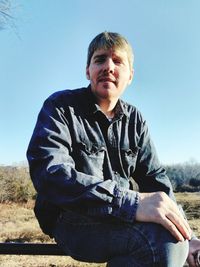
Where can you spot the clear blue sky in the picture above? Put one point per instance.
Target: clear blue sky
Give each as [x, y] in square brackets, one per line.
[47, 52]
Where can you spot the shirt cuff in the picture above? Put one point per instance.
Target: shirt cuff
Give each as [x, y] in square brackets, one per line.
[125, 204]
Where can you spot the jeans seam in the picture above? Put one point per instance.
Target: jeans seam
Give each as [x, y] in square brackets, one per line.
[151, 246]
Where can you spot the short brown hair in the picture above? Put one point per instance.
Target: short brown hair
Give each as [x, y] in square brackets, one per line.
[107, 40]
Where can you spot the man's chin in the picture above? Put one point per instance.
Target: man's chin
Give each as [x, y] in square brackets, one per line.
[110, 86]
[105, 90]
[106, 94]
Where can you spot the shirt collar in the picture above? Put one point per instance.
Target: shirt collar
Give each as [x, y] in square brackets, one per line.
[120, 108]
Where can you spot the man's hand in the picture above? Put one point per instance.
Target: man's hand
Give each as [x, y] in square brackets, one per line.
[194, 247]
[157, 207]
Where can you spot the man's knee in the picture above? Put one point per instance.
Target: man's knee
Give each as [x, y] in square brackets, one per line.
[174, 254]
[157, 247]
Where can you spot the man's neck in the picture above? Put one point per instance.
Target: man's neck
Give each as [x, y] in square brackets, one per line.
[108, 107]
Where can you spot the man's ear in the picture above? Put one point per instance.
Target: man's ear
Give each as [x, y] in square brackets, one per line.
[87, 73]
[131, 76]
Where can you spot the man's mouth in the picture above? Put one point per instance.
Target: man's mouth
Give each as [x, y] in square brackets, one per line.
[106, 79]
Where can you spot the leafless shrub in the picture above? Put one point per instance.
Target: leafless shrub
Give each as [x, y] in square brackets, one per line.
[15, 185]
[183, 176]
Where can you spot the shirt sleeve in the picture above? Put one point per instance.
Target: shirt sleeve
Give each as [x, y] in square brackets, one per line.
[56, 179]
[149, 173]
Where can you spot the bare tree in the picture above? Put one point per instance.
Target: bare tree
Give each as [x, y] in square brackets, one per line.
[6, 11]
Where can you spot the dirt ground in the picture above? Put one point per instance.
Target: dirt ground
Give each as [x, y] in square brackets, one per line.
[18, 223]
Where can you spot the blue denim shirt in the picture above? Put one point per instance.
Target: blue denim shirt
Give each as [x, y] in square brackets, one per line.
[81, 160]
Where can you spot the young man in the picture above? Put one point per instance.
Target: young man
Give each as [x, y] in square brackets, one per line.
[86, 148]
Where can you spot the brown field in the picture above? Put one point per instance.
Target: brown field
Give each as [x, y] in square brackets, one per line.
[17, 223]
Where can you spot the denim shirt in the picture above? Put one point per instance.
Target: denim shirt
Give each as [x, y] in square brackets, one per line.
[80, 160]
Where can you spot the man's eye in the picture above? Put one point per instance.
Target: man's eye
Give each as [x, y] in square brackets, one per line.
[117, 61]
[99, 60]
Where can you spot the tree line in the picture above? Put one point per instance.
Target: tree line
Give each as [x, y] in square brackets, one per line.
[184, 177]
[16, 185]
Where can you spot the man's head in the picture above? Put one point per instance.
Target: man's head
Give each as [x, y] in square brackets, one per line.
[109, 66]
[108, 40]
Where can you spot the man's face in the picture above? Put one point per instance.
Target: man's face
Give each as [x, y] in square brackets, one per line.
[109, 73]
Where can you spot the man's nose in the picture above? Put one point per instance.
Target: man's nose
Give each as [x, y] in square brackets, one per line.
[109, 65]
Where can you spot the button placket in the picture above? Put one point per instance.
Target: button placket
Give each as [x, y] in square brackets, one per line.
[110, 135]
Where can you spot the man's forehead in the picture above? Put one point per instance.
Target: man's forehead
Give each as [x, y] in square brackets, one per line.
[110, 52]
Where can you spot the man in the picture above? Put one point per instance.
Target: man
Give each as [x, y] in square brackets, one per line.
[87, 147]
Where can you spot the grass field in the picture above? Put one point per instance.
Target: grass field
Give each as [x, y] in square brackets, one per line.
[17, 223]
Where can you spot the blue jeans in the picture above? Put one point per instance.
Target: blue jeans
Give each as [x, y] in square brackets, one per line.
[117, 243]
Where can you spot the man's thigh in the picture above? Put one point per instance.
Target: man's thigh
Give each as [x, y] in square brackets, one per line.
[91, 240]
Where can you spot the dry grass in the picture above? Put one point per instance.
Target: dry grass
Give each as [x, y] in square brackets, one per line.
[191, 205]
[18, 223]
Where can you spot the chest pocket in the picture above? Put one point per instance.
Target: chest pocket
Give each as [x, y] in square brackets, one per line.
[129, 158]
[89, 158]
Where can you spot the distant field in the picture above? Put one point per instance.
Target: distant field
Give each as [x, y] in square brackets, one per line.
[191, 205]
[17, 223]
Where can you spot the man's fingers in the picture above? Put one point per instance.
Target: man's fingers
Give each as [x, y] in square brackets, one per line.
[181, 212]
[181, 224]
[159, 208]
[171, 227]
[197, 258]
[191, 261]
[177, 218]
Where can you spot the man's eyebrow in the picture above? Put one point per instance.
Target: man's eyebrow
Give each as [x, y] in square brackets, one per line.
[100, 56]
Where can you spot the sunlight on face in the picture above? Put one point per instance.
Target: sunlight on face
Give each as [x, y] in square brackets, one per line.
[109, 73]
